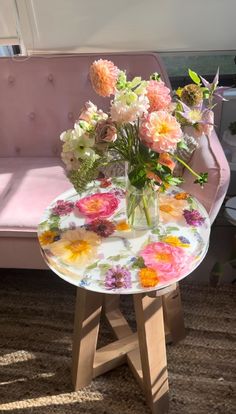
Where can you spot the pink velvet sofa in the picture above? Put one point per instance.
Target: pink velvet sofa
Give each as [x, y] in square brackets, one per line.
[41, 97]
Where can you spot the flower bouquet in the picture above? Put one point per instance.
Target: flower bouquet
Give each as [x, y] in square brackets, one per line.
[143, 129]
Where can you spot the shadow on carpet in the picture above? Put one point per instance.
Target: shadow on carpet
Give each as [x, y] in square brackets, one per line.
[36, 321]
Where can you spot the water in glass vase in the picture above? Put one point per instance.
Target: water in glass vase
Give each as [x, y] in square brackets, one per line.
[142, 207]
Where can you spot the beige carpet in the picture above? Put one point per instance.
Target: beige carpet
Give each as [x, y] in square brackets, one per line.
[36, 320]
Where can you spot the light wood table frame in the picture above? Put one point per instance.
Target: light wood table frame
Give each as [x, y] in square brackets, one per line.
[144, 351]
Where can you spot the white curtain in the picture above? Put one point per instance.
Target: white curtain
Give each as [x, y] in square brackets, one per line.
[8, 23]
[127, 25]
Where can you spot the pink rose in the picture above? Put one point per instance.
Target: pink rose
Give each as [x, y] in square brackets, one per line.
[106, 131]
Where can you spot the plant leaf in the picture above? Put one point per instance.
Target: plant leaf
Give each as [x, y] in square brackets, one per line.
[194, 76]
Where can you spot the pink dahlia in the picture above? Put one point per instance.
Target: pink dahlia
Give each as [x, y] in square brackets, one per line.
[158, 95]
[100, 205]
[168, 261]
[103, 75]
[160, 131]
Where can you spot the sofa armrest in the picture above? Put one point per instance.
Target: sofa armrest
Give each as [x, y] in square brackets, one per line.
[209, 157]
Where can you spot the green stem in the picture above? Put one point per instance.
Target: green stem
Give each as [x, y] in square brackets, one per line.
[186, 165]
[145, 208]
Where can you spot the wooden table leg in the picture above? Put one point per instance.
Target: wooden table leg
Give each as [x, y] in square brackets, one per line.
[151, 334]
[173, 315]
[86, 325]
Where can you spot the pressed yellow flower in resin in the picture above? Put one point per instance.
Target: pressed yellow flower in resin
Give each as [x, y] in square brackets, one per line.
[76, 247]
[175, 241]
[47, 237]
[122, 226]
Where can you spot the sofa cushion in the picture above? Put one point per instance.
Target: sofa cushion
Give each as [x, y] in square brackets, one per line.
[27, 186]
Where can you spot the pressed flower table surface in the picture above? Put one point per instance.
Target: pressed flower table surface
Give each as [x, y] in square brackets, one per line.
[86, 241]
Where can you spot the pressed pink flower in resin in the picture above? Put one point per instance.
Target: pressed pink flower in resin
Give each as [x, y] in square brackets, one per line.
[62, 208]
[167, 260]
[193, 217]
[102, 227]
[99, 205]
[158, 95]
[118, 277]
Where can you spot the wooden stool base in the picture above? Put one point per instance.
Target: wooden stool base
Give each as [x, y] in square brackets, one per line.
[144, 351]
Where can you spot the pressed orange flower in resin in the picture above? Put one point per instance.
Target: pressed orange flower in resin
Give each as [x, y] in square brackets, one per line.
[47, 237]
[122, 226]
[148, 277]
[76, 247]
[170, 208]
[182, 196]
[103, 75]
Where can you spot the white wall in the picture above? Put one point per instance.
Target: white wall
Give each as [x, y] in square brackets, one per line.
[115, 25]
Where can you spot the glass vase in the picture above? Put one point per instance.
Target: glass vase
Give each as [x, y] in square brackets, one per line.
[142, 207]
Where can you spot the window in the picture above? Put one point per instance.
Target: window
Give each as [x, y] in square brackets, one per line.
[205, 64]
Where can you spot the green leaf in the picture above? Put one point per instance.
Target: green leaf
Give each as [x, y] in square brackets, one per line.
[115, 258]
[156, 231]
[174, 180]
[170, 229]
[182, 145]
[104, 266]
[53, 222]
[138, 263]
[135, 82]
[92, 266]
[155, 76]
[194, 76]
[138, 177]
[43, 224]
[203, 177]
[121, 82]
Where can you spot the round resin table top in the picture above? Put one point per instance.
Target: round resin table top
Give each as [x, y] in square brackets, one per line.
[86, 240]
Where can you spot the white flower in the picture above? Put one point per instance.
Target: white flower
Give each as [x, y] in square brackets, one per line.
[91, 114]
[79, 144]
[128, 106]
[70, 161]
[66, 135]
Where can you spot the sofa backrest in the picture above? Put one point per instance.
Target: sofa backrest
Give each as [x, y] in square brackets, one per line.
[42, 96]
